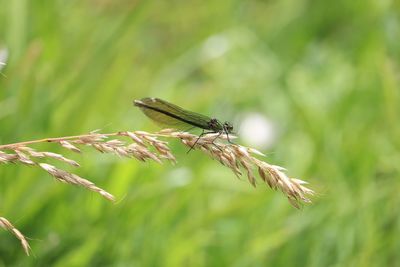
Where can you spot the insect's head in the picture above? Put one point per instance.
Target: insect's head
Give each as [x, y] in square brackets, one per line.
[228, 127]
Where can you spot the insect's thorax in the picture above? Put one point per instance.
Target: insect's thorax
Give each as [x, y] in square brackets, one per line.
[215, 125]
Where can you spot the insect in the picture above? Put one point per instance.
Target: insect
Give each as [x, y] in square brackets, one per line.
[165, 113]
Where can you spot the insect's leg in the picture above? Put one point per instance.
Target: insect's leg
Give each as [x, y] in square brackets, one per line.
[202, 133]
[229, 140]
[219, 134]
[212, 142]
[227, 136]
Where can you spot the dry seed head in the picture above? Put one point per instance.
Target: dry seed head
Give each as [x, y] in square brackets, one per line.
[69, 146]
[136, 139]
[23, 158]
[92, 138]
[6, 225]
[74, 179]
[6, 158]
[61, 158]
[236, 156]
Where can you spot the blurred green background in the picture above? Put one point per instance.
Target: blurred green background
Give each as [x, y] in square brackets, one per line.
[325, 73]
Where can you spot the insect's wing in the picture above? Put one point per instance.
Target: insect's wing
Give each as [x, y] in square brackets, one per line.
[164, 120]
[185, 114]
[154, 108]
[170, 115]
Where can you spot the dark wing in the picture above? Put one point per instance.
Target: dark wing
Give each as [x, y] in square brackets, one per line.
[167, 114]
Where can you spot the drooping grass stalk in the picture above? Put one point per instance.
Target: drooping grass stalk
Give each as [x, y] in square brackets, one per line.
[6, 225]
[147, 146]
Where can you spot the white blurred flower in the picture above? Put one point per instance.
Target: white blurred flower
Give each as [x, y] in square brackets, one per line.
[3, 57]
[215, 46]
[258, 131]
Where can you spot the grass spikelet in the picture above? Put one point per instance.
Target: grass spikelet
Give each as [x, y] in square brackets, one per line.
[6, 225]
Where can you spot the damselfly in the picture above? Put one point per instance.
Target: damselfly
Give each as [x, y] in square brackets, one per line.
[165, 113]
